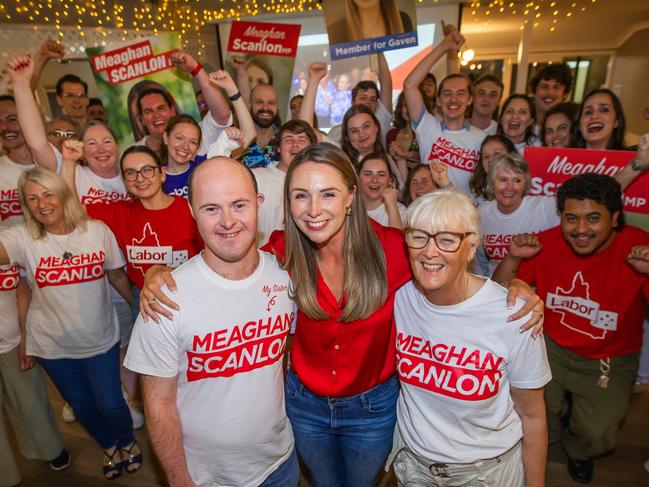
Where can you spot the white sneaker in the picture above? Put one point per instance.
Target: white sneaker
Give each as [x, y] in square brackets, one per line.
[646, 465]
[137, 417]
[68, 414]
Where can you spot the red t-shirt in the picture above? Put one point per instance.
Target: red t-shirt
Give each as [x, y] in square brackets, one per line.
[147, 237]
[594, 304]
[339, 359]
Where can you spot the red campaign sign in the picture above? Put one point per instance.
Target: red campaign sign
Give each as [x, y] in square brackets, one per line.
[131, 62]
[264, 38]
[550, 167]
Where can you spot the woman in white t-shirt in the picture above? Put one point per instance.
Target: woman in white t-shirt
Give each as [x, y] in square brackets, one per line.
[72, 329]
[471, 406]
[376, 184]
[510, 210]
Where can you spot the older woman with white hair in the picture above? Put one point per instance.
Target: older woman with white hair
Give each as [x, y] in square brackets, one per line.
[471, 406]
[509, 210]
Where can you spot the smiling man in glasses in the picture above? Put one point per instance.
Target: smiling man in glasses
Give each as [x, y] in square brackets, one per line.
[60, 129]
[72, 97]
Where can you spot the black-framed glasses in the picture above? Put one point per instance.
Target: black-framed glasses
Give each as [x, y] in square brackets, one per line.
[62, 134]
[445, 241]
[147, 172]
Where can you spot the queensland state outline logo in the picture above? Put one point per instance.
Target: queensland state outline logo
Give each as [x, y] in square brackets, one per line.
[579, 312]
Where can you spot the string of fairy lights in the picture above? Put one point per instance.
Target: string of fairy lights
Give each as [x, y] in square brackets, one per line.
[540, 13]
[187, 18]
[115, 18]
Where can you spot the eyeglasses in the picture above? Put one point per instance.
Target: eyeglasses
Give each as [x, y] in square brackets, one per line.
[62, 134]
[445, 241]
[78, 96]
[147, 172]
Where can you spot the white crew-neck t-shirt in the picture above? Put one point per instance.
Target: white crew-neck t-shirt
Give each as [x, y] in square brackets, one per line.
[71, 314]
[456, 365]
[225, 345]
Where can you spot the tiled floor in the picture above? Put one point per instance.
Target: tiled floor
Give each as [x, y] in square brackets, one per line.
[622, 468]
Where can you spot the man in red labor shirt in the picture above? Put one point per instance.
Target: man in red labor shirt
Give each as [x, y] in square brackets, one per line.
[592, 271]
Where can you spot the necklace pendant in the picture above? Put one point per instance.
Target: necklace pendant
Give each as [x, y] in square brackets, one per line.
[67, 255]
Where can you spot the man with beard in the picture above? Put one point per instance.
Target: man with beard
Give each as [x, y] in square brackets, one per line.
[263, 106]
[593, 328]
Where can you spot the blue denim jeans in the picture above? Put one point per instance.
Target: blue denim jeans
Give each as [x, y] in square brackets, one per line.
[286, 475]
[343, 441]
[91, 386]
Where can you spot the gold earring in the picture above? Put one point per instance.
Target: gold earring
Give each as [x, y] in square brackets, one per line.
[348, 211]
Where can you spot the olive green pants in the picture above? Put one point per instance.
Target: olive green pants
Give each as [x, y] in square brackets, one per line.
[596, 412]
[24, 396]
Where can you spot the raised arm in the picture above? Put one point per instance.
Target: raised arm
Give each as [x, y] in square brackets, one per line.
[222, 79]
[414, 98]
[219, 108]
[530, 407]
[315, 73]
[49, 50]
[385, 80]
[638, 164]
[240, 66]
[163, 424]
[71, 153]
[452, 63]
[20, 70]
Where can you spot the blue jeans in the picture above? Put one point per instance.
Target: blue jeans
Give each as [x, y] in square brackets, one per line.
[286, 475]
[345, 441]
[91, 386]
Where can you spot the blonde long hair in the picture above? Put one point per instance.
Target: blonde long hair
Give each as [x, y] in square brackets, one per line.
[389, 12]
[365, 283]
[75, 215]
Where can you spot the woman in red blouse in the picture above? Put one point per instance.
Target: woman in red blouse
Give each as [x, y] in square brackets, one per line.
[341, 389]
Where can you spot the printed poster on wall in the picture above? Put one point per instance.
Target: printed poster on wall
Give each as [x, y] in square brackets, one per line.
[551, 167]
[124, 70]
[362, 27]
[269, 51]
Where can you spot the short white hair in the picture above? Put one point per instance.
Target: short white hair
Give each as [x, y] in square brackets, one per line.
[444, 209]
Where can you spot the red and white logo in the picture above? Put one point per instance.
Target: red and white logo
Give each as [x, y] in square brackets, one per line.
[580, 313]
[240, 349]
[468, 374]
[55, 271]
[9, 204]
[97, 195]
[447, 152]
[9, 279]
[146, 251]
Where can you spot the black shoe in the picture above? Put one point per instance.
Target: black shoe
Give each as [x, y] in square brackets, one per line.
[580, 470]
[61, 462]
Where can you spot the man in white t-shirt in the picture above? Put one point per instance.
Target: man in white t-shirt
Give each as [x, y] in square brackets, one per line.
[487, 94]
[18, 158]
[550, 86]
[293, 136]
[451, 140]
[212, 370]
[155, 107]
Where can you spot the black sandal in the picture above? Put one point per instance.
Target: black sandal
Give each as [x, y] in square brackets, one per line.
[112, 469]
[131, 460]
